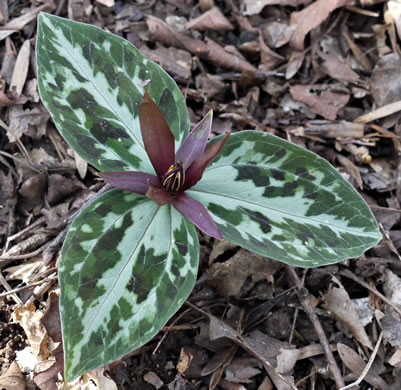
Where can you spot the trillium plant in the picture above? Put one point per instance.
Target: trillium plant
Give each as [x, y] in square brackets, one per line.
[130, 258]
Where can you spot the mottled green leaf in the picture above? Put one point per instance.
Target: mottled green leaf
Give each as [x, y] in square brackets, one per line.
[127, 266]
[281, 201]
[92, 83]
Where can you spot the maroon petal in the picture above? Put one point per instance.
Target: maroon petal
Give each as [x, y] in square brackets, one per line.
[195, 142]
[197, 214]
[130, 180]
[157, 136]
[159, 195]
[195, 171]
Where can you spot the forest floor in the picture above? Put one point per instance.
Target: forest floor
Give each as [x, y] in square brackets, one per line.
[325, 75]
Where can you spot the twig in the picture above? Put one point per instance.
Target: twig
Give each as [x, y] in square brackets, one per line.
[19, 289]
[304, 298]
[350, 275]
[368, 365]
[8, 288]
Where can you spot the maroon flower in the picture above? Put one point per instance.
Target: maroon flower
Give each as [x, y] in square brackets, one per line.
[176, 172]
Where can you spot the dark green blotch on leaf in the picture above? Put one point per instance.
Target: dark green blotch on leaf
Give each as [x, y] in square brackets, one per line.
[105, 129]
[252, 173]
[289, 189]
[278, 174]
[147, 270]
[259, 218]
[234, 217]
[182, 248]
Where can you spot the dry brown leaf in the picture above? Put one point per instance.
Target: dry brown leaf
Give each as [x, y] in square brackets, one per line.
[311, 17]
[30, 320]
[51, 317]
[20, 70]
[210, 20]
[242, 369]
[102, 381]
[352, 360]
[321, 100]
[394, 11]
[351, 168]
[60, 187]
[340, 305]
[294, 63]
[395, 359]
[385, 81]
[32, 191]
[46, 372]
[12, 379]
[26, 121]
[268, 58]
[9, 59]
[176, 62]
[253, 7]
[278, 34]
[184, 361]
[106, 3]
[229, 277]
[337, 69]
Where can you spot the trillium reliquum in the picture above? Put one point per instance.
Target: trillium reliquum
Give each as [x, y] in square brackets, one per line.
[130, 258]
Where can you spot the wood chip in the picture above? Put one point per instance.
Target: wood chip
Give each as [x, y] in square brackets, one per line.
[381, 112]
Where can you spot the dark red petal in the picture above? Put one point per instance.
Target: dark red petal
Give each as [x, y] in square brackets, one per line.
[197, 214]
[195, 171]
[130, 180]
[157, 136]
[195, 142]
[158, 194]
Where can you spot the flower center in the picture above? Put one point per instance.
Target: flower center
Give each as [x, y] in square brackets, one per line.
[174, 178]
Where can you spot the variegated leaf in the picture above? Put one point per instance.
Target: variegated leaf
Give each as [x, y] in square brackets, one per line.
[92, 82]
[281, 201]
[122, 277]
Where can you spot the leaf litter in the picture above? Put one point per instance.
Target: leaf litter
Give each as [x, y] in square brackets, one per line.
[325, 77]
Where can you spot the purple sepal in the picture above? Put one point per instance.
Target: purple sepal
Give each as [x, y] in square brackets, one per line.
[132, 181]
[157, 136]
[195, 142]
[195, 171]
[197, 214]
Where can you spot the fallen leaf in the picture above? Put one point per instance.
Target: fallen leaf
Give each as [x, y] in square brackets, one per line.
[152, 378]
[229, 277]
[385, 81]
[22, 121]
[102, 381]
[241, 370]
[12, 379]
[278, 34]
[211, 20]
[352, 360]
[29, 318]
[253, 7]
[20, 70]
[321, 99]
[337, 69]
[338, 302]
[311, 17]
